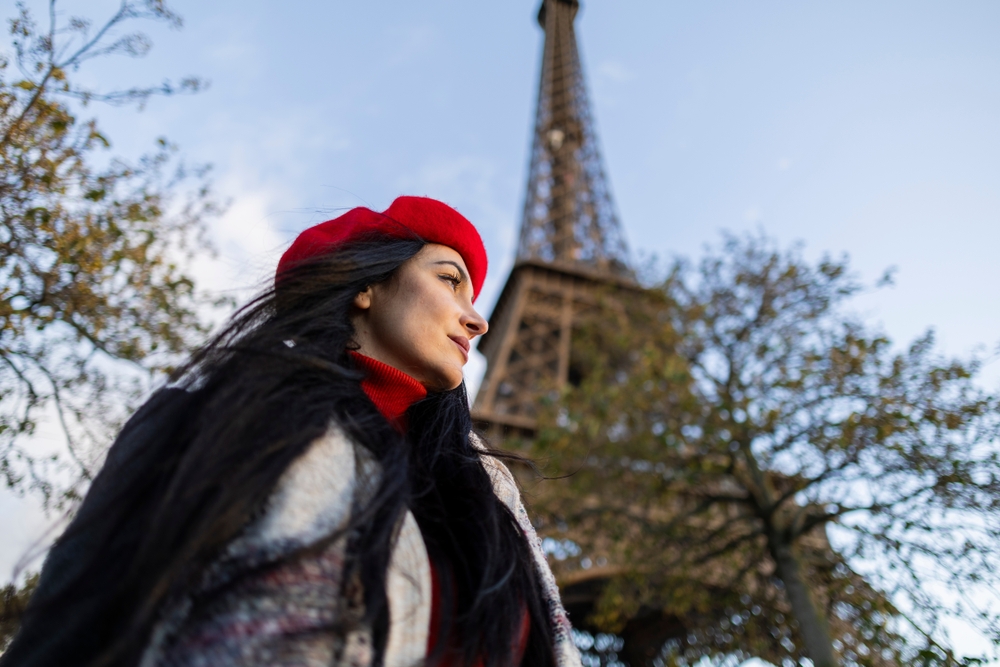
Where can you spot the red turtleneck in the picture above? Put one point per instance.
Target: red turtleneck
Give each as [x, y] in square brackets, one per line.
[393, 392]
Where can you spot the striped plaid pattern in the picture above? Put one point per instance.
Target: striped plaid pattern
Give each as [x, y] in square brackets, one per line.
[277, 595]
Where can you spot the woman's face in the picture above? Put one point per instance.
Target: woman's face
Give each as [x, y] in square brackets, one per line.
[422, 321]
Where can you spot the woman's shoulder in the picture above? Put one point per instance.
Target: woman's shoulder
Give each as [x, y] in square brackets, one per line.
[315, 494]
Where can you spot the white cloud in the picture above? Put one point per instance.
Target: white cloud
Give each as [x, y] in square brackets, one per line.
[247, 237]
[25, 528]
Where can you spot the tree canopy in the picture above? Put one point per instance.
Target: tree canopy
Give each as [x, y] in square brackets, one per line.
[94, 250]
[748, 457]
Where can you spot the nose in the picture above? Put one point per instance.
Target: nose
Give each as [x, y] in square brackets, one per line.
[474, 323]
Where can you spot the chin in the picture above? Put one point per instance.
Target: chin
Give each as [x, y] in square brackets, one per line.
[449, 385]
[447, 380]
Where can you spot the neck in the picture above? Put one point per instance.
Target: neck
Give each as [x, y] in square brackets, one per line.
[390, 389]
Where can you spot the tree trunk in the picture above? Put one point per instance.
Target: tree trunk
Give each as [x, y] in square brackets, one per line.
[812, 624]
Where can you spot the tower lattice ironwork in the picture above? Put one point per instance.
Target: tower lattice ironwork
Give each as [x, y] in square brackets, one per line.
[569, 215]
[571, 257]
[572, 262]
[571, 242]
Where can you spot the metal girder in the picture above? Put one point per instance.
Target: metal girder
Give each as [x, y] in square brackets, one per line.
[569, 215]
[571, 242]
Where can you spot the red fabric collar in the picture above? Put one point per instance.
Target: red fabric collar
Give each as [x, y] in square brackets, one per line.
[391, 390]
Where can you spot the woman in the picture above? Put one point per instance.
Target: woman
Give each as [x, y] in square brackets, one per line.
[309, 491]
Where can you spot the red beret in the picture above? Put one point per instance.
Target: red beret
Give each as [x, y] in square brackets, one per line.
[430, 220]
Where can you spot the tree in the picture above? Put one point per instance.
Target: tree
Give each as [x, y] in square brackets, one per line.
[739, 445]
[94, 290]
[13, 601]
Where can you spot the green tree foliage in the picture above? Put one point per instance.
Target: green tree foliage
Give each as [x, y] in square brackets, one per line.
[13, 601]
[733, 421]
[93, 250]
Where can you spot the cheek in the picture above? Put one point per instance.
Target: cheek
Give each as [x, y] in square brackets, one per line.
[414, 324]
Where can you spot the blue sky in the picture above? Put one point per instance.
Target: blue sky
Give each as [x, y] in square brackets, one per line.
[857, 127]
[867, 128]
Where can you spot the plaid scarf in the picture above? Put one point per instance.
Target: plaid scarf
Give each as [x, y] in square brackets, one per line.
[277, 595]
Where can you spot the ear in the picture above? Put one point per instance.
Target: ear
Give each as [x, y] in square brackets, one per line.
[363, 300]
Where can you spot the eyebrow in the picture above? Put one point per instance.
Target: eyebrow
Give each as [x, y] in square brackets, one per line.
[461, 271]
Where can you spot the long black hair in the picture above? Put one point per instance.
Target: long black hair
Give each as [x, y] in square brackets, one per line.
[199, 461]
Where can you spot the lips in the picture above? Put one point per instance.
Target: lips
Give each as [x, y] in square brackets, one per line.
[463, 344]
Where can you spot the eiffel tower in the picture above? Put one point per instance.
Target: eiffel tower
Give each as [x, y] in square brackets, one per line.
[571, 242]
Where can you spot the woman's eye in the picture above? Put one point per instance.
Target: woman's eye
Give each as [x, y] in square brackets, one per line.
[454, 280]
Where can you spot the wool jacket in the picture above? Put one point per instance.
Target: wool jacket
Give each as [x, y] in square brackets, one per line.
[258, 605]
[275, 596]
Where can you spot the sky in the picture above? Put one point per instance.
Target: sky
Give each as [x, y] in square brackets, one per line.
[857, 127]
